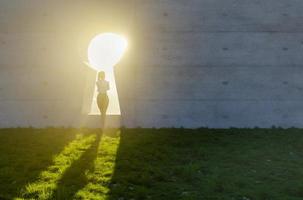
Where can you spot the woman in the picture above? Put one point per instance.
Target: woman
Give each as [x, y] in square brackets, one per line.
[102, 99]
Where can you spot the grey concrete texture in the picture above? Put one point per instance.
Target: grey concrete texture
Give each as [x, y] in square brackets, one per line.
[214, 63]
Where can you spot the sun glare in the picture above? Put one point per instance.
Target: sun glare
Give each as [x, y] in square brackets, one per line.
[104, 52]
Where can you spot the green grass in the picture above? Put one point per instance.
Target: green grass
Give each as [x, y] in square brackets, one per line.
[210, 164]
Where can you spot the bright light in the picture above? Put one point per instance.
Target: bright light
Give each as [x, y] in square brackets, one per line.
[105, 51]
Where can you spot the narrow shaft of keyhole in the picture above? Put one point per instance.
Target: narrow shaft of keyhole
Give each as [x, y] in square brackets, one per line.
[113, 106]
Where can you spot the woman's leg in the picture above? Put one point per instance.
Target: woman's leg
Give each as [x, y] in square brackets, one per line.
[103, 104]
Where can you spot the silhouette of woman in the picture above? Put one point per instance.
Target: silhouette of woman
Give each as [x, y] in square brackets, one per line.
[102, 99]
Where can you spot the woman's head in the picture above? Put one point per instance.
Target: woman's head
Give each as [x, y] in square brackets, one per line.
[101, 75]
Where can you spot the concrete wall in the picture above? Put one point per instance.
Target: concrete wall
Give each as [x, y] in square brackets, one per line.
[218, 63]
[215, 63]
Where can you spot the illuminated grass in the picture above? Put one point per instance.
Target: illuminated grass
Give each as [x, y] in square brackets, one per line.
[44, 187]
[99, 179]
[24, 153]
[160, 164]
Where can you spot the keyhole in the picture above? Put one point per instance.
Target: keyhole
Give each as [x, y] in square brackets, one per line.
[104, 52]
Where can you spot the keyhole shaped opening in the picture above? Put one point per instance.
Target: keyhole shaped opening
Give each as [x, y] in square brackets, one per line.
[104, 52]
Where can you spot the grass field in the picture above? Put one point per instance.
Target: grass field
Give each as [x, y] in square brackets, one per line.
[160, 164]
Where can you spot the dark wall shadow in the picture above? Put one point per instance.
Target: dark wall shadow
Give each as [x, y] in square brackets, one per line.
[181, 163]
[74, 178]
[206, 163]
[150, 163]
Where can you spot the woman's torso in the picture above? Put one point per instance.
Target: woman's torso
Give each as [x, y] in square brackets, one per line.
[102, 86]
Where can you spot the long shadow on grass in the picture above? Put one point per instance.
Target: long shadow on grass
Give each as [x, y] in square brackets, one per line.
[25, 152]
[75, 177]
[47, 182]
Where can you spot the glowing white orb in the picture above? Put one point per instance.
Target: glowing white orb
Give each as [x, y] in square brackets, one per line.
[105, 51]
